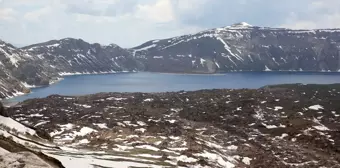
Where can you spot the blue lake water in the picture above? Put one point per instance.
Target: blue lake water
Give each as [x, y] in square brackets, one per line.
[161, 82]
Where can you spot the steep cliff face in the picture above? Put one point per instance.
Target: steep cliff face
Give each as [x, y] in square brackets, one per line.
[75, 56]
[242, 47]
[16, 69]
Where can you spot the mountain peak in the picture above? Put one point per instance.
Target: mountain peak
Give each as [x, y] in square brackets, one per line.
[242, 24]
[113, 45]
[71, 39]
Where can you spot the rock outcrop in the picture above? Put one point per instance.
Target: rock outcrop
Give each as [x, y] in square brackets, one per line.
[20, 146]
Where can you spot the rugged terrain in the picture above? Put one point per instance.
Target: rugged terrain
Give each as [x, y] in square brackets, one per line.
[239, 47]
[18, 67]
[275, 126]
[243, 47]
[45, 63]
[75, 56]
[20, 147]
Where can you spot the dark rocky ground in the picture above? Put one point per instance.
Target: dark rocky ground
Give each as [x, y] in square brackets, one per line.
[275, 126]
[18, 146]
[21, 156]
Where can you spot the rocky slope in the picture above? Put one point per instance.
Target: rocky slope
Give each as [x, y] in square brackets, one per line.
[75, 56]
[20, 146]
[242, 47]
[45, 63]
[275, 126]
[17, 68]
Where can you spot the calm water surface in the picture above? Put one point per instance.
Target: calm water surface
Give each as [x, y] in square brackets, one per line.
[160, 82]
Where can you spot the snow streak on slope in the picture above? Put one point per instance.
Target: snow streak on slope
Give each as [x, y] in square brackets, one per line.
[12, 124]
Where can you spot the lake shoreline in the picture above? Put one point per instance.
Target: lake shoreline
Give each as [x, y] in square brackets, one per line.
[241, 71]
[62, 77]
[167, 82]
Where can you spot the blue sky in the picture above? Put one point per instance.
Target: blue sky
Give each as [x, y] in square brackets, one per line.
[132, 22]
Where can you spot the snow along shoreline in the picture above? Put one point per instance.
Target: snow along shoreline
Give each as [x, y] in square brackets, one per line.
[51, 82]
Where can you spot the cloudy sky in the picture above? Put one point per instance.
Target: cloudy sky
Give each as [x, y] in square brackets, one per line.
[132, 22]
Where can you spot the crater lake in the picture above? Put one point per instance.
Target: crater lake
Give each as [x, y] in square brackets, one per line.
[164, 82]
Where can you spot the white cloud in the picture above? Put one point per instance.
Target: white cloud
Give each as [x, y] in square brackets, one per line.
[93, 19]
[132, 22]
[107, 2]
[91, 7]
[318, 14]
[161, 11]
[7, 14]
[35, 16]
[191, 5]
[30, 3]
[143, 21]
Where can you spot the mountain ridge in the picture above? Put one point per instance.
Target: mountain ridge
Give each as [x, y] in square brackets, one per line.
[232, 45]
[239, 47]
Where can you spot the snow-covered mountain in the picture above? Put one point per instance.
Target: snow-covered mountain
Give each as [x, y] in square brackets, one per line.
[44, 63]
[239, 47]
[243, 47]
[75, 56]
[18, 68]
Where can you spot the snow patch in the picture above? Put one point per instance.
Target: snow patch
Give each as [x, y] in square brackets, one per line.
[269, 126]
[148, 156]
[185, 159]
[142, 130]
[41, 123]
[267, 69]
[101, 125]
[28, 85]
[116, 98]
[146, 48]
[316, 107]
[3, 151]
[242, 24]
[171, 121]
[321, 128]
[202, 61]
[84, 131]
[246, 160]
[141, 123]
[9, 122]
[148, 147]
[216, 63]
[277, 108]
[232, 147]
[148, 100]
[84, 141]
